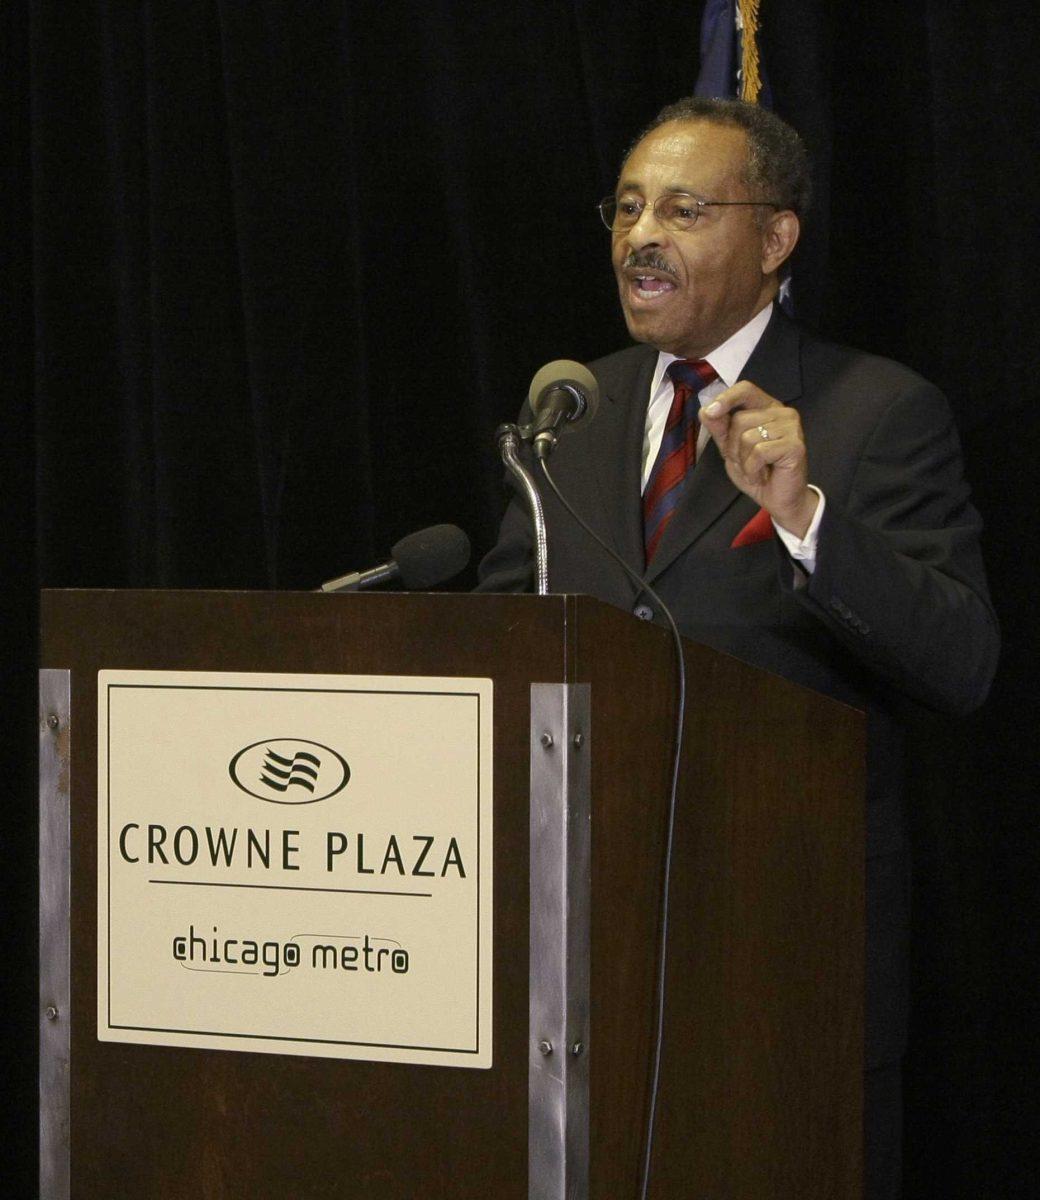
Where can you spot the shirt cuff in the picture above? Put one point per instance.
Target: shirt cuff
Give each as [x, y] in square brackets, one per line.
[803, 550]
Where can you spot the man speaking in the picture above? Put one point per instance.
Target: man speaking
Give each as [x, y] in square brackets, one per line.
[795, 503]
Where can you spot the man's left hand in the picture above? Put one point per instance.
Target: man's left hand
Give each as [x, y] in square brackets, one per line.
[761, 443]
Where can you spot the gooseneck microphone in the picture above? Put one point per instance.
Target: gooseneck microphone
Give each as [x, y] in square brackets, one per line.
[562, 393]
[419, 561]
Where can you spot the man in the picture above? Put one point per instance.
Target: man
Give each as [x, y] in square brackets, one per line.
[814, 521]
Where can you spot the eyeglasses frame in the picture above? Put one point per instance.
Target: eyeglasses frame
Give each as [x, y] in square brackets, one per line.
[700, 205]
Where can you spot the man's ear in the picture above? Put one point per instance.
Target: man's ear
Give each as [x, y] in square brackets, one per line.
[779, 238]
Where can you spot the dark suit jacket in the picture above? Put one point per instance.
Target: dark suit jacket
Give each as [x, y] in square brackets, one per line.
[896, 609]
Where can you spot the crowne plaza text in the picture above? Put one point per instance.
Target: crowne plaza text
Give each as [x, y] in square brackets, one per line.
[416, 854]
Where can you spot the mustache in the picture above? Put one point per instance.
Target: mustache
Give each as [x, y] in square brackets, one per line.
[651, 260]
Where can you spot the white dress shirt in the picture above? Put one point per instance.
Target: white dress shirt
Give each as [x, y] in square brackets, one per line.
[727, 360]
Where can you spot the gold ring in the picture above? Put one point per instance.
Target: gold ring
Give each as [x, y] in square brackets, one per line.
[763, 433]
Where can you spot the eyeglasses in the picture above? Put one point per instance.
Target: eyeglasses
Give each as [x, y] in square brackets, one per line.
[674, 211]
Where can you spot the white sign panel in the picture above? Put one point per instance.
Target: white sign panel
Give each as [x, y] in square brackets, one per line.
[296, 864]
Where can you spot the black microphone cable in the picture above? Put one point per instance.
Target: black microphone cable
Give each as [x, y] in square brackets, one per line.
[669, 840]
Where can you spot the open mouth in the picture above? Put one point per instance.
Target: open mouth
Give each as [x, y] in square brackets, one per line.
[650, 287]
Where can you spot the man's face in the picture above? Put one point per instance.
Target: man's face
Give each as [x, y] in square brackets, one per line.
[687, 292]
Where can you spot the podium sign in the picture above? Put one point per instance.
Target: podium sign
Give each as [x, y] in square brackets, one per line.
[282, 843]
[296, 864]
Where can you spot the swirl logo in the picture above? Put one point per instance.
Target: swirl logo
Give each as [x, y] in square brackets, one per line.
[289, 771]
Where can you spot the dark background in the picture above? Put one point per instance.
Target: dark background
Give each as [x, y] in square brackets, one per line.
[273, 272]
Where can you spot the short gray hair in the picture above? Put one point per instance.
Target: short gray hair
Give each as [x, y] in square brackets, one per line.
[778, 164]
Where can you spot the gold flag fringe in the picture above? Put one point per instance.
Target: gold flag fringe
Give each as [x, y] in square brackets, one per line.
[750, 80]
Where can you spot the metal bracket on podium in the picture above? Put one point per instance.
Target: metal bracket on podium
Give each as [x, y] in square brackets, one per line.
[558, 1112]
[55, 992]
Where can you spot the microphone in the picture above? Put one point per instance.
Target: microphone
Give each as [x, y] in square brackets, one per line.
[419, 560]
[561, 394]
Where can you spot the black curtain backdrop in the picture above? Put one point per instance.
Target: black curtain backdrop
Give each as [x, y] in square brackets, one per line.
[273, 272]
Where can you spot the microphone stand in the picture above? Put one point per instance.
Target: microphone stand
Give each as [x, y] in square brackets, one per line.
[508, 438]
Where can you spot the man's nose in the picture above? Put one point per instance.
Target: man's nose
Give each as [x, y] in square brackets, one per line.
[647, 231]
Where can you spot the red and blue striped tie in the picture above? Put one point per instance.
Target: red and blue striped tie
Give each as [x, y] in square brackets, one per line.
[678, 450]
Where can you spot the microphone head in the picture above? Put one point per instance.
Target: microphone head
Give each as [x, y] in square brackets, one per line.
[431, 556]
[563, 374]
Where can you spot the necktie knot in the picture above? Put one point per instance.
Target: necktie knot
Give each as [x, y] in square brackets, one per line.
[692, 373]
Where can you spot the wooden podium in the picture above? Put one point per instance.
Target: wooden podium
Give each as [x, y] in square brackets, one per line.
[761, 1080]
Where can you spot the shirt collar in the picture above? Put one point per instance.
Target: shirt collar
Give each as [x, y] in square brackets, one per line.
[729, 359]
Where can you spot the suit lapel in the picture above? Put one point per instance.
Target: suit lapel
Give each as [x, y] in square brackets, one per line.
[615, 447]
[775, 367]
[707, 495]
[775, 364]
